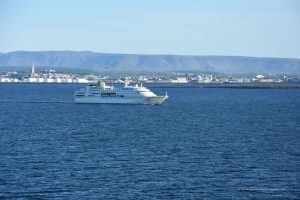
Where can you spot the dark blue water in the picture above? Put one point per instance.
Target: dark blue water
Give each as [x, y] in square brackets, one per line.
[201, 143]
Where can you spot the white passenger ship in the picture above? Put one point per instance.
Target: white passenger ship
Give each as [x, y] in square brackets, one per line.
[101, 93]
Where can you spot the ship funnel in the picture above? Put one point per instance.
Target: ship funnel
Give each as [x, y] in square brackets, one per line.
[101, 84]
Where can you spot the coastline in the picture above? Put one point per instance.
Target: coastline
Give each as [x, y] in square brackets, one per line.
[190, 85]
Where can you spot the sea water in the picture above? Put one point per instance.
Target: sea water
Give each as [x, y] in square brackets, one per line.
[200, 143]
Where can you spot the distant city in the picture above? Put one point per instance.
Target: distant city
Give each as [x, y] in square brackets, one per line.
[52, 76]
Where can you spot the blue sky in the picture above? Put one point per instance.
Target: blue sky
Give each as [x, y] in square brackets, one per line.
[263, 28]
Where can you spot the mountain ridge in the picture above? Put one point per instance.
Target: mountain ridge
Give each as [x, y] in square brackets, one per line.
[99, 62]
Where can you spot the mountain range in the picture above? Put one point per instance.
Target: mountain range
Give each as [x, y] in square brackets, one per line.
[99, 62]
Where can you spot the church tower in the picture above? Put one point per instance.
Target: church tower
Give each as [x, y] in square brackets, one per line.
[33, 70]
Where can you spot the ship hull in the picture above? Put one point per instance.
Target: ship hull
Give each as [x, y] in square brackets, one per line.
[121, 100]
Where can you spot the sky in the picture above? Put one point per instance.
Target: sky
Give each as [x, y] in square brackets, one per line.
[260, 28]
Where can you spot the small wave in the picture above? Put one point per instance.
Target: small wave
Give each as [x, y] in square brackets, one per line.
[263, 189]
[10, 101]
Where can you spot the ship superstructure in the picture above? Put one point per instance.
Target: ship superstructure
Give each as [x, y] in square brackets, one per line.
[101, 93]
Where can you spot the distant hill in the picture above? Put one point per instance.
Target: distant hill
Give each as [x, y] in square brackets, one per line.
[138, 62]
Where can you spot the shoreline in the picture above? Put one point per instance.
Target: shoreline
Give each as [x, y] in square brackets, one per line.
[190, 85]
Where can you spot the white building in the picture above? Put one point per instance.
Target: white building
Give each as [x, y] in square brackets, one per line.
[267, 80]
[41, 80]
[33, 80]
[259, 76]
[142, 78]
[82, 80]
[49, 80]
[69, 80]
[207, 79]
[5, 80]
[58, 80]
[180, 80]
